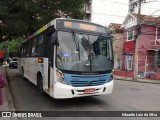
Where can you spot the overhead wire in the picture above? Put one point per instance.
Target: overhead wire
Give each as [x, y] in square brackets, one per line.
[108, 14]
[143, 32]
[127, 4]
[149, 16]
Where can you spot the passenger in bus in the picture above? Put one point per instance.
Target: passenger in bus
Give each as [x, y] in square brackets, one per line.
[35, 51]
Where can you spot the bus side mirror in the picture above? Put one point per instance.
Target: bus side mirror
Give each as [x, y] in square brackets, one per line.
[51, 32]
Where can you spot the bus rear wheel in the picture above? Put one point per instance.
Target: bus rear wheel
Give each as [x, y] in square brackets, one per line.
[40, 84]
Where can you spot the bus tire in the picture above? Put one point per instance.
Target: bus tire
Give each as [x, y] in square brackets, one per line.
[40, 84]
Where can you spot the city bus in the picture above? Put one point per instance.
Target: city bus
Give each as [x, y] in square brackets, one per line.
[68, 58]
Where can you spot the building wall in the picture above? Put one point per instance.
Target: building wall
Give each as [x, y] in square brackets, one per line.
[88, 10]
[118, 48]
[145, 57]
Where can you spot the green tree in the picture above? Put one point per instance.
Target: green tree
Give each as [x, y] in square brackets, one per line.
[23, 17]
[11, 46]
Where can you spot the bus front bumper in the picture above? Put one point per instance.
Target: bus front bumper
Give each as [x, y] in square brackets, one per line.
[62, 91]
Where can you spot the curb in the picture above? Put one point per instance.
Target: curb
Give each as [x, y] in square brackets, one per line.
[8, 95]
[151, 82]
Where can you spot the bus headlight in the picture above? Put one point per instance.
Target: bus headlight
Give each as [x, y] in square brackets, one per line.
[111, 78]
[60, 77]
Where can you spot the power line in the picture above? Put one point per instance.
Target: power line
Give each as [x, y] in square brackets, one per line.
[149, 16]
[149, 8]
[116, 2]
[154, 1]
[108, 14]
[126, 4]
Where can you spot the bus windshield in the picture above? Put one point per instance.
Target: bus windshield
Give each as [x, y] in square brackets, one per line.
[83, 52]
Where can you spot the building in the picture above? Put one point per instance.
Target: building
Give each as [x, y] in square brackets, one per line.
[105, 12]
[87, 10]
[148, 46]
[117, 36]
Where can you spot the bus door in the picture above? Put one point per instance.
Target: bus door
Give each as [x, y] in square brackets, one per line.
[49, 54]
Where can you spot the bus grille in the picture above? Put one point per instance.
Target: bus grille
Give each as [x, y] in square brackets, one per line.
[83, 83]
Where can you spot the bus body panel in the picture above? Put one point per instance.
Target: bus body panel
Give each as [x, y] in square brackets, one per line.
[31, 68]
[62, 91]
[86, 80]
[82, 82]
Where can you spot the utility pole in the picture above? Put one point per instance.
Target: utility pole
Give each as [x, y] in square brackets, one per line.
[136, 41]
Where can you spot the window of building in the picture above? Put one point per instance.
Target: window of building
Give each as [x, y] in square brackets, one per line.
[128, 62]
[130, 35]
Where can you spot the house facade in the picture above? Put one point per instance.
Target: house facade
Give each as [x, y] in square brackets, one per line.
[148, 46]
[117, 38]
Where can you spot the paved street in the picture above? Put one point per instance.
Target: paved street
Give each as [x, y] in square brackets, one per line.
[127, 96]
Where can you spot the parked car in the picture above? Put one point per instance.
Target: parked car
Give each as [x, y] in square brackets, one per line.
[13, 63]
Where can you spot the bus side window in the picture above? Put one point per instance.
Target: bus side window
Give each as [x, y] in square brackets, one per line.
[19, 51]
[35, 51]
[25, 49]
[29, 53]
[34, 44]
[40, 47]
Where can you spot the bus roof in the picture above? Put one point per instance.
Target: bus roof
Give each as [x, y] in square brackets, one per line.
[85, 25]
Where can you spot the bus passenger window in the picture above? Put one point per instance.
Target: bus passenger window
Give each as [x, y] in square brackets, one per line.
[35, 51]
[34, 44]
[41, 46]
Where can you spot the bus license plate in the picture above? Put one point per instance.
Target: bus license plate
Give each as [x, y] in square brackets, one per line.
[89, 90]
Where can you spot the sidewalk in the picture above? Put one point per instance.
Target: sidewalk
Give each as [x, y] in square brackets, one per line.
[7, 99]
[138, 80]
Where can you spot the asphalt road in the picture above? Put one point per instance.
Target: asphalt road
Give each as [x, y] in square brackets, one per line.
[126, 96]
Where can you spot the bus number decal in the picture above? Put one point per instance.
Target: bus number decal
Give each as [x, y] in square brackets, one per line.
[67, 24]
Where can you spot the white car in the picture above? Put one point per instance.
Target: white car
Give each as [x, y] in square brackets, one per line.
[13, 63]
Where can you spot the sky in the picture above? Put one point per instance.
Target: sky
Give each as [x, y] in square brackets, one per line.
[115, 11]
[151, 7]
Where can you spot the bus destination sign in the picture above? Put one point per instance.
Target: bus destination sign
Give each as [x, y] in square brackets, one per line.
[80, 26]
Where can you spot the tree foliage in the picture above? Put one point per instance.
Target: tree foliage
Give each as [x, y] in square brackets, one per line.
[11, 46]
[23, 17]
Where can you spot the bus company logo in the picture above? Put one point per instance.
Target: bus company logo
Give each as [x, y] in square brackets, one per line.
[90, 83]
[6, 114]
